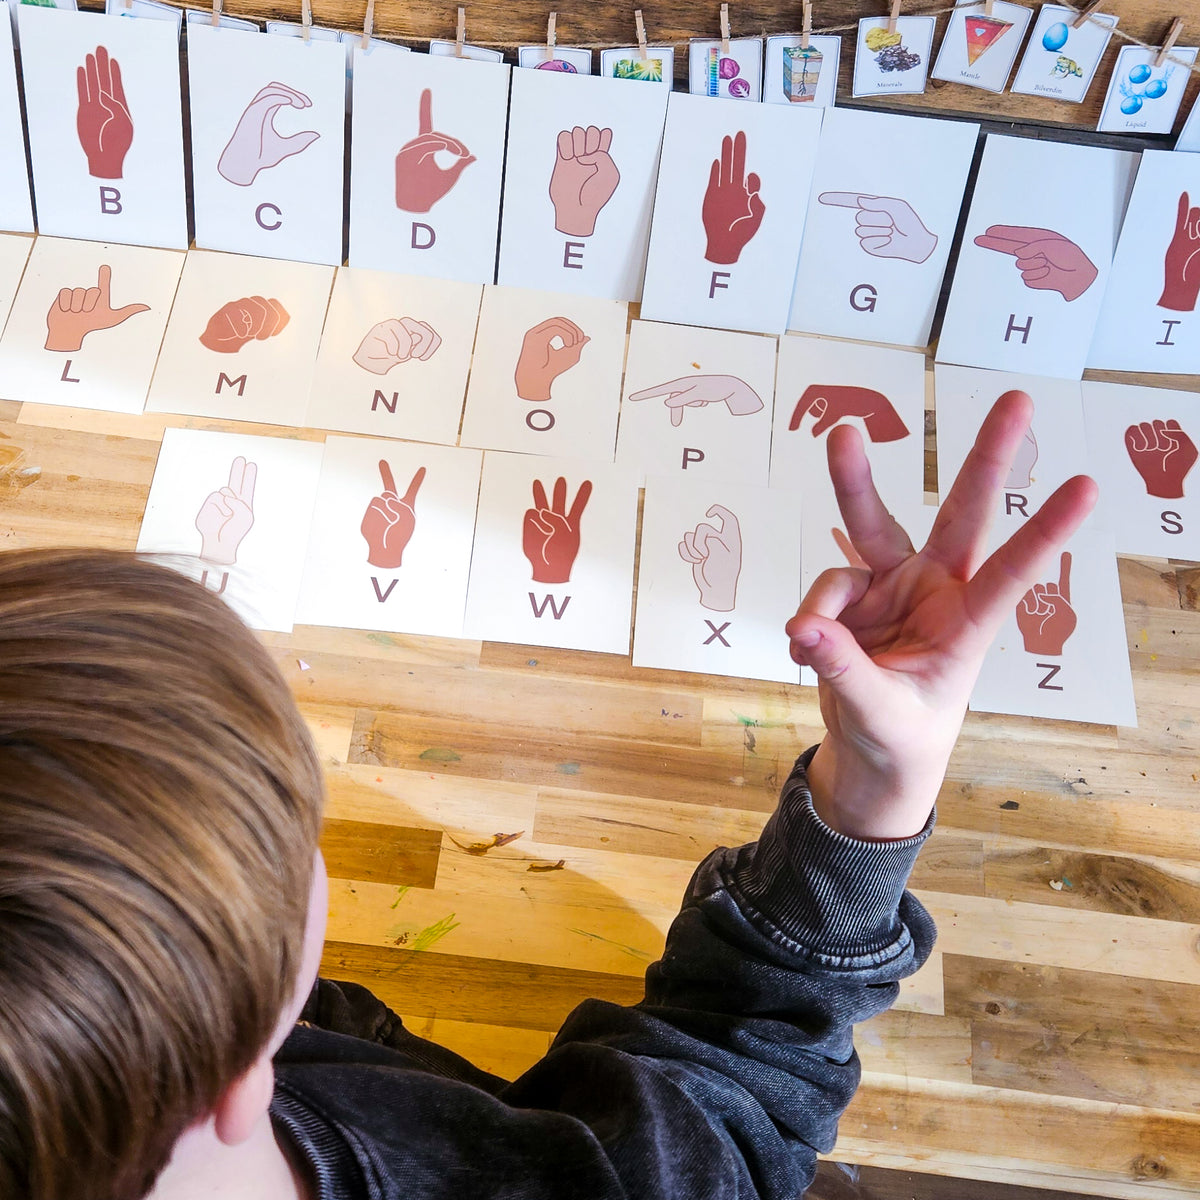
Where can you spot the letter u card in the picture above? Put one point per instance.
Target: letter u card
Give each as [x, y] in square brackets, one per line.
[16, 212]
[105, 128]
[268, 131]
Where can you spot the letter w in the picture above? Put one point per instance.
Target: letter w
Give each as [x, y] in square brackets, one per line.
[538, 609]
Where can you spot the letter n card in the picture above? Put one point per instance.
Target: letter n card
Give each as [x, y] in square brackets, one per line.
[16, 212]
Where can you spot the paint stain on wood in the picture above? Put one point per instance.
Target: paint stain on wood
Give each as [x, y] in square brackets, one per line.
[16, 473]
[442, 754]
[558, 866]
[632, 951]
[480, 848]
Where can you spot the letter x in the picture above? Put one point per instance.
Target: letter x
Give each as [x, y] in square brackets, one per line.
[716, 633]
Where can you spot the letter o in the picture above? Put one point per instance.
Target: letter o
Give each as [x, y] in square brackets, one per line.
[540, 413]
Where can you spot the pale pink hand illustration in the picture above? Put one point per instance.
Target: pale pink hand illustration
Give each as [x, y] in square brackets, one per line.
[1163, 454]
[584, 179]
[227, 515]
[831, 403]
[695, 391]
[102, 119]
[1047, 260]
[1181, 266]
[390, 519]
[252, 318]
[732, 209]
[550, 535]
[256, 145]
[394, 341]
[420, 181]
[886, 227]
[1045, 616]
[76, 312]
[541, 361]
[716, 558]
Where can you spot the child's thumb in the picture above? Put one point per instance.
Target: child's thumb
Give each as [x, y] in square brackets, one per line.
[831, 650]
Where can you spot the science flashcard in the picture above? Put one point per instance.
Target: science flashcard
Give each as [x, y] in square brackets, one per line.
[391, 537]
[718, 574]
[394, 356]
[1143, 97]
[981, 44]
[656, 65]
[564, 60]
[1061, 56]
[87, 323]
[733, 71]
[581, 168]
[14, 252]
[426, 160]
[232, 511]
[697, 402]
[444, 48]
[1035, 256]
[554, 551]
[16, 209]
[729, 213]
[895, 62]
[105, 127]
[199, 17]
[152, 10]
[886, 194]
[799, 74]
[242, 339]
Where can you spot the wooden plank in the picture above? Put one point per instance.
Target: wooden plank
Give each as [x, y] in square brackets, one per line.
[843, 1181]
[498, 1049]
[381, 853]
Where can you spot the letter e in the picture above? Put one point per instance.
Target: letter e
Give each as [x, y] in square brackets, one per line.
[573, 255]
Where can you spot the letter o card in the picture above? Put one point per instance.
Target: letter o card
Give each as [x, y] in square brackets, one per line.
[16, 212]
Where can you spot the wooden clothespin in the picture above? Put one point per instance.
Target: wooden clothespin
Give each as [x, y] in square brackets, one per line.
[305, 18]
[987, 7]
[725, 29]
[368, 24]
[893, 16]
[551, 34]
[216, 17]
[460, 35]
[806, 28]
[643, 53]
[1172, 38]
[1084, 13]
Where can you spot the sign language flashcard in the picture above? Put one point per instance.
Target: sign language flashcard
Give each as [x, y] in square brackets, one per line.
[1143, 97]
[16, 211]
[981, 43]
[729, 213]
[1061, 56]
[1035, 256]
[554, 551]
[268, 126]
[733, 72]
[579, 185]
[102, 98]
[892, 62]
[87, 323]
[798, 74]
[14, 252]
[394, 356]
[881, 225]
[391, 537]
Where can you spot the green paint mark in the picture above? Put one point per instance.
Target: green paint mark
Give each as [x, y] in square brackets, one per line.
[757, 724]
[440, 754]
[632, 951]
[434, 933]
[401, 892]
[382, 639]
[568, 768]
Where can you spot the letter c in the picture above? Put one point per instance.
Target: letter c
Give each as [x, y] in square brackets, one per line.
[268, 207]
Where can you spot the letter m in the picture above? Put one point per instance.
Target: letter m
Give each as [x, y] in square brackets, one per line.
[223, 380]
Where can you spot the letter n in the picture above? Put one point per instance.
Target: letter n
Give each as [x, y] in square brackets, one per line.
[380, 398]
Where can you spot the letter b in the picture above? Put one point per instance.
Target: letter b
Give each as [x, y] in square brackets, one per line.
[110, 200]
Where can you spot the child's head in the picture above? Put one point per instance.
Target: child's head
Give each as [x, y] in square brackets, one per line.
[159, 809]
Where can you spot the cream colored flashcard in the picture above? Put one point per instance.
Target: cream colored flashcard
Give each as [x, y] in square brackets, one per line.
[87, 323]
[546, 376]
[733, 71]
[1061, 55]
[14, 252]
[426, 160]
[16, 211]
[657, 65]
[697, 402]
[232, 511]
[981, 44]
[886, 194]
[242, 339]
[798, 74]
[729, 213]
[565, 60]
[1144, 97]
[718, 577]
[394, 356]
[1035, 256]
[579, 184]
[554, 551]
[102, 98]
[1142, 443]
[268, 132]
[892, 62]
[391, 537]
[442, 48]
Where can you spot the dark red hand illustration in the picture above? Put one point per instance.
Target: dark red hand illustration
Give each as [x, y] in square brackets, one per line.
[102, 120]
[1047, 260]
[732, 209]
[550, 537]
[1162, 454]
[1181, 266]
[390, 519]
[830, 403]
[541, 362]
[420, 182]
[1045, 616]
[252, 318]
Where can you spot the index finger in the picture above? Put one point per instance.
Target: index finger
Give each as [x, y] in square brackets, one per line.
[425, 112]
[414, 486]
[249, 478]
[840, 199]
[389, 480]
[104, 280]
[739, 157]
[1064, 576]
[580, 503]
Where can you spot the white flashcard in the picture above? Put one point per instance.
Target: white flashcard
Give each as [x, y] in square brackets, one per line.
[16, 211]
[202, 17]
[268, 132]
[1061, 58]
[980, 46]
[394, 356]
[242, 339]
[1062, 652]
[568, 60]
[546, 375]
[1148, 321]
[105, 127]
[1189, 136]
[1142, 443]
[885, 200]
[391, 537]
[697, 402]
[797, 74]
[735, 73]
[87, 324]
[579, 184]
[152, 10]
[14, 252]
[320, 33]
[14, 7]
[627, 62]
[1143, 98]
[426, 159]
[1035, 256]
[442, 48]
[553, 557]
[892, 64]
[729, 213]
[718, 576]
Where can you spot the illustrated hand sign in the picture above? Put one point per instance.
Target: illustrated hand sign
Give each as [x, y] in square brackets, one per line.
[1181, 266]
[102, 119]
[887, 227]
[716, 558]
[831, 403]
[395, 341]
[1020, 474]
[252, 318]
[732, 209]
[76, 312]
[541, 362]
[695, 391]
[420, 181]
[583, 180]
[1163, 454]
[390, 519]
[1045, 616]
[1047, 260]
[255, 145]
[226, 516]
[550, 536]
